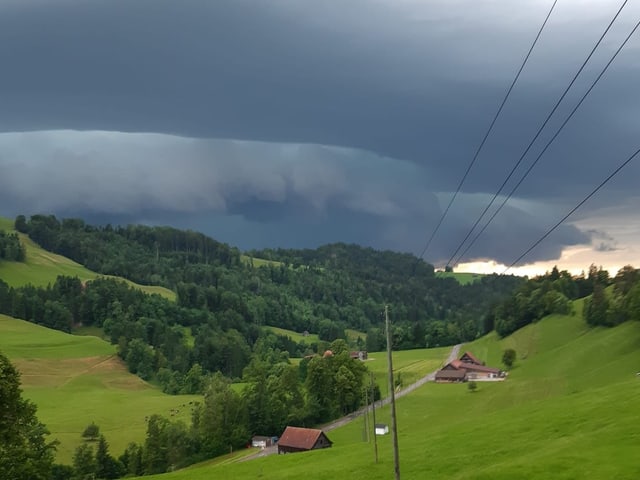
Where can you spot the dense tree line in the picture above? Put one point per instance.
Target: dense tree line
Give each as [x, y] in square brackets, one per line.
[323, 291]
[147, 255]
[150, 331]
[156, 338]
[610, 306]
[608, 301]
[538, 297]
[11, 248]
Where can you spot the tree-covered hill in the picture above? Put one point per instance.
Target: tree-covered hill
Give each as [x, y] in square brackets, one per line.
[609, 301]
[323, 290]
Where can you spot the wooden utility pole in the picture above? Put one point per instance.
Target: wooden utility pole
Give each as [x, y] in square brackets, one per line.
[366, 415]
[375, 436]
[394, 426]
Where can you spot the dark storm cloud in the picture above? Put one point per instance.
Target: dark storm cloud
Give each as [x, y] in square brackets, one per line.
[398, 83]
[250, 194]
[605, 247]
[362, 74]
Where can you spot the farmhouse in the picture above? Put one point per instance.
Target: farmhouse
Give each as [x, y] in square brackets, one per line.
[296, 439]
[468, 367]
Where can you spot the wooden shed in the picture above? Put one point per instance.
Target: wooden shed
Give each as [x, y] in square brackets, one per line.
[296, 439]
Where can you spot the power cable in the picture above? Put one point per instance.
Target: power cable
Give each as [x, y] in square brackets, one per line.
[486, 135]
[544, 124]
[572, 211]
[575, 109]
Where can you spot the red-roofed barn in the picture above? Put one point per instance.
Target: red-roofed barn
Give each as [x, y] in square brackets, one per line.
[296, 439]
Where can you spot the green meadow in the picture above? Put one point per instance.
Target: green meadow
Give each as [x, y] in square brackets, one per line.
[41, 268]
[76, 380]
[408, 365]
[259, 262]
[568, 410]
[295, 336]
[352, 335]
[463, 278]
[6, 224]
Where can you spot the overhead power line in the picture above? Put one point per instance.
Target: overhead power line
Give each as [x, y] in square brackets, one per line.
[540, 129]
[517, 185]
[573, 210]
[486, 135]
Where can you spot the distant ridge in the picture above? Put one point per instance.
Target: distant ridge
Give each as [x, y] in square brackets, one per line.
[42, 268]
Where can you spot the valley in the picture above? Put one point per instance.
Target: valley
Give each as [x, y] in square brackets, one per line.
[279, 343]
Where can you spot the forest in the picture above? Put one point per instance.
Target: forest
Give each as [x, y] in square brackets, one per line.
[324, 291]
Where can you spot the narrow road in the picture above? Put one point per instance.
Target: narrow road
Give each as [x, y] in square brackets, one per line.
[455, 351]
[386, 401]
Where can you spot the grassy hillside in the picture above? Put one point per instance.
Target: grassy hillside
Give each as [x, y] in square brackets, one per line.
[42, 268]
[463, 278]
[352, 335]
[76, 380]
[408, 365]
[568, 410]
[295, 336]
[259, 262]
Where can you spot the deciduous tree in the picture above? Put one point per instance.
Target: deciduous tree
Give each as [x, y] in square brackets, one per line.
[508, 357]
[92, 432]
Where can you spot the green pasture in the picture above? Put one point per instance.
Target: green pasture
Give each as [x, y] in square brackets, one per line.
[263, 262]
[91, 331]
[408, 365]
[569, 409]
[75, 380]
[259, 262]
[6, 224]
[227, 459]
[188, 335]
[353, 335]
[295, 336]
[42, 268]
[238, 387]
[463, 278]
[24, 340]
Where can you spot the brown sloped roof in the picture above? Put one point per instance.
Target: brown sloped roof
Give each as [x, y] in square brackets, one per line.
[472, 357]
[303, 438]
[472, 367]
[481, 368]
[451, 374]
[457, 364]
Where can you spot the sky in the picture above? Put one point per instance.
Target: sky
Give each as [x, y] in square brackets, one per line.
[295, 123]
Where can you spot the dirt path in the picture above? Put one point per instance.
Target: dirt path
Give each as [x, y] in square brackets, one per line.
[455, 351]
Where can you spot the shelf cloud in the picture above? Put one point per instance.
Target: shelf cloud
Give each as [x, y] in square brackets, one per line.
[295, 123]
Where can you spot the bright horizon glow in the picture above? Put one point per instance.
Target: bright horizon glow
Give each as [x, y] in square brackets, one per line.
[613, 246]
[575, 260]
